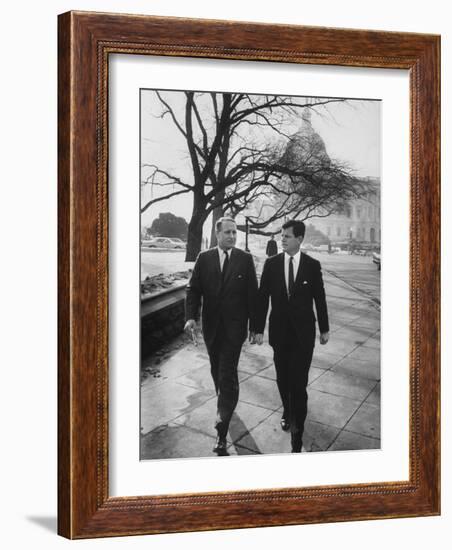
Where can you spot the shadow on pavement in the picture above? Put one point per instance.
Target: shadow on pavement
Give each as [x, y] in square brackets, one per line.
[238, 429]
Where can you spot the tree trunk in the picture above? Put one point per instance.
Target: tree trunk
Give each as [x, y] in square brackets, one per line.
[194, 239]
[216, 215]
[195, 226]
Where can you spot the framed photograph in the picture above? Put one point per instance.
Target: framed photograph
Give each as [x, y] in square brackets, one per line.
[212, 173]
[273, 178]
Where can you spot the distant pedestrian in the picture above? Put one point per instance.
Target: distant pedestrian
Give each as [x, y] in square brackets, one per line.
[272, 247]
[293, 282]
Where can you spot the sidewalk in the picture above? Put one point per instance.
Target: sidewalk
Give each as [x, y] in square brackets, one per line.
[178, 408]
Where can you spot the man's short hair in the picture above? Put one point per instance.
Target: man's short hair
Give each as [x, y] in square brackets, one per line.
[298, 227]
[219, 222]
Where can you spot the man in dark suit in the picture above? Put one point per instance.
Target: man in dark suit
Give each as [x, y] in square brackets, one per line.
[272, 247]
[224, 278]
[293, 281]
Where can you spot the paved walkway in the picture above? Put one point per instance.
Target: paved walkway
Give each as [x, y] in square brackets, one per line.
[178, 407]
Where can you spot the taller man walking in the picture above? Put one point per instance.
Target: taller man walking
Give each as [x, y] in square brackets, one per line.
[293, 281]
[224, 278]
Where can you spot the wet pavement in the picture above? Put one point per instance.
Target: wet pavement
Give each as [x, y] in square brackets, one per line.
[358, 271]
[178, 406]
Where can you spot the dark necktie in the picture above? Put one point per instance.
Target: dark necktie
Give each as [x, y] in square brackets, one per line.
[291, 279]
[225, 265]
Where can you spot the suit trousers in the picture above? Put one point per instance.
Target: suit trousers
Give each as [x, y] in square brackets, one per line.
[292, 358]
[224, 358]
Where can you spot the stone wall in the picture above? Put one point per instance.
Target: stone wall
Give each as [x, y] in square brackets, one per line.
[162, 318]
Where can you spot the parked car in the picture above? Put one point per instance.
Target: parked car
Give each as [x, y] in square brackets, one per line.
[179, 242]
[376, 259]
[146, 242]
[165, 242]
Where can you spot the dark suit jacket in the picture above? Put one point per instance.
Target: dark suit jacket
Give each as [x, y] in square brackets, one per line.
[298, 311]
[232, 302]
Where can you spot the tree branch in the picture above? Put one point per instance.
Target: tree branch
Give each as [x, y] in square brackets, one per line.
[160, 199]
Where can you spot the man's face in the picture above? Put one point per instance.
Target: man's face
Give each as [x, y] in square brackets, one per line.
[227, 236]
[289, 242]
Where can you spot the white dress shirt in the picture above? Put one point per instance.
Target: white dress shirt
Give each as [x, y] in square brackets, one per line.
[222, 257]
[296, 263]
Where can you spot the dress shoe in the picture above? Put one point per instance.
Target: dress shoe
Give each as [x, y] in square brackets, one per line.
[285, 425]
[297, 443]
[220, 446]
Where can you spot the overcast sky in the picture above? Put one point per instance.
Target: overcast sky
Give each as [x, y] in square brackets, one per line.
[351, 133]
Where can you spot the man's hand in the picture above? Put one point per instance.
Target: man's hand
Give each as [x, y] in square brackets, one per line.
[190, 327]
[252, 338]
[259, 339]
[324, 337]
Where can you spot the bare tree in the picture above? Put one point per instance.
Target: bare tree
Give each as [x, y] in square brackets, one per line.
[241, 155]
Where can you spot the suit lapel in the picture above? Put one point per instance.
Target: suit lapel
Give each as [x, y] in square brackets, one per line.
[215, 262]
[299, 277]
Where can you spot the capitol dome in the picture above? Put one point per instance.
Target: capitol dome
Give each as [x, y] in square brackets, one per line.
[306, 148]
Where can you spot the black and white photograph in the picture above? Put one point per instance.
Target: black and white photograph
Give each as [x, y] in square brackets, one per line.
[260, 246]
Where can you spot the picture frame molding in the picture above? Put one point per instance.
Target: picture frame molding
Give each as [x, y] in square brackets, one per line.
[85, 42]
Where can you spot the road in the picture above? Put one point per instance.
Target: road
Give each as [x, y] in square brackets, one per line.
[358, 271]
[155, 262]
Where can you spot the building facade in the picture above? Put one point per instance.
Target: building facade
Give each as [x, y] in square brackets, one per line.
[359, 222]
